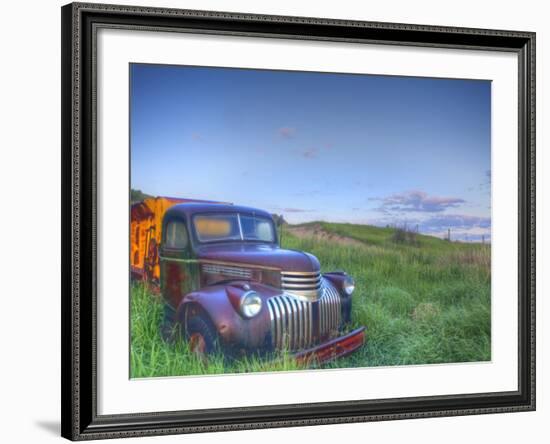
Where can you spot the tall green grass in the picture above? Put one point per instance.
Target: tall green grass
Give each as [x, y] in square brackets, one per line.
[424, 303]
[151, 356]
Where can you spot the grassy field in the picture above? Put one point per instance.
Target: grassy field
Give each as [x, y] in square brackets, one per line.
[423, 301]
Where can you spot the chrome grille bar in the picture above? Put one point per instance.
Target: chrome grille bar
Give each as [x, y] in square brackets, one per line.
[287, 340]
[301, 286]
[227, 271]
[306, 285]
[322, 312]
[292, 320]
[295, 339]
[282, 324]
[301, 279]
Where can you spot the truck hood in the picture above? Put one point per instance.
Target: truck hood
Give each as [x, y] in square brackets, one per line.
[260, 255]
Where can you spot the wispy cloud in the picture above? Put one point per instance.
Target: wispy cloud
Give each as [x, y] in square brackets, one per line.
[417, 201]
[484, 186]
[310, 153]
[295, 210]
[436, 223]
[462, 226]
[308, 193]
[290, 209]
[286, 132]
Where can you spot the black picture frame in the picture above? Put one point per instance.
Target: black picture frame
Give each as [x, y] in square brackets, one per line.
[79, 209]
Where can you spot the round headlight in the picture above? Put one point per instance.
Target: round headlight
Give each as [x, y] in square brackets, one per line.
[251, 304]
[349, 285]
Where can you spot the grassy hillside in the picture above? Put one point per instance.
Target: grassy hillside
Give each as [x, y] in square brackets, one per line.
[423, 301]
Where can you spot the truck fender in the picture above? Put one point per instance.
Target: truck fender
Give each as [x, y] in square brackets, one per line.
[214, 302]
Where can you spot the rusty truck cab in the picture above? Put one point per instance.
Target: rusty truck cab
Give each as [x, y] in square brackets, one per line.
[181, 246]
[228, 286]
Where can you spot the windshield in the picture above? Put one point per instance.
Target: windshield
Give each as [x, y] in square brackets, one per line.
[233, 226]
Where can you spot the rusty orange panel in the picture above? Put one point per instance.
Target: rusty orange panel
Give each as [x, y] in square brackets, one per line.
[145, 233]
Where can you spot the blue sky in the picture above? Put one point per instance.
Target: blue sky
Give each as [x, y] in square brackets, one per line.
[317, 146]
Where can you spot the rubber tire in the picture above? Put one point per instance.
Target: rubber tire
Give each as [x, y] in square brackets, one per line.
[203, 326]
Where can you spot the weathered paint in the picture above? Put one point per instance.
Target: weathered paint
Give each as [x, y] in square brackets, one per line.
[333, 349]
[146, 234]
[210, 279]
[234, 330]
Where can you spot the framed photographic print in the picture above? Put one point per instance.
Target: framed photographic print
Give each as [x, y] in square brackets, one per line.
[277, 221]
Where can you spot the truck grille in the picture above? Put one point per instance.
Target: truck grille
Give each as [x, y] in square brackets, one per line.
[224, 270]
[305, 285]
[329, 310]
[293, 323]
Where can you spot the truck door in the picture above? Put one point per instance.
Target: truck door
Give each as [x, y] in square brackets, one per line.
[178, 270]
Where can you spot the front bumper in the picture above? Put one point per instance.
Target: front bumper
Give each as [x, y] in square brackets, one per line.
[333, 349]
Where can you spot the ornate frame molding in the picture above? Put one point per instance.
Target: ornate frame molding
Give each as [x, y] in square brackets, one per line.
[80, 22]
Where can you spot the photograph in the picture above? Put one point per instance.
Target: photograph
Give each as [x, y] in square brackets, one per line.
[306, 221]
[275, 219]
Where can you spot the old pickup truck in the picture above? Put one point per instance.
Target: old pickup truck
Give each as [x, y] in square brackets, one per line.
[229, 287]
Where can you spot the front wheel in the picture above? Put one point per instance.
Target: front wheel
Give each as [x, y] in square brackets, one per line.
[202, 336]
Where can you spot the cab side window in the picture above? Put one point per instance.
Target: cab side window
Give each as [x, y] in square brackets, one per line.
[176, 235]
